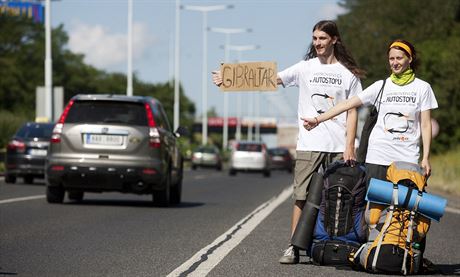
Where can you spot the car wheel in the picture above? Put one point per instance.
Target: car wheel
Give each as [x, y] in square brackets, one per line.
[55, 194]
[28, 179]
[232, 172]
[194, 166]
[267, 173]
[10, 179]
[176, 190]
[76, 195]
[162, 198]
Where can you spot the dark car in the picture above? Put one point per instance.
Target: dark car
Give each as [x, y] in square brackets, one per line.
[114, 143]
[207, 156]
[26, 152]
[281, 158]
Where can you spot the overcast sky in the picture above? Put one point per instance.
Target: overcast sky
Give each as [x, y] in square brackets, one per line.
[282, 29]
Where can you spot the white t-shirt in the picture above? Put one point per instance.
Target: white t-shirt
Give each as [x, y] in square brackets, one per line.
[396, 135]
[321, 86]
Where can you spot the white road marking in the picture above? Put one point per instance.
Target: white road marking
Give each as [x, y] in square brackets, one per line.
[11, 200]
[452, 210]
[207, 258]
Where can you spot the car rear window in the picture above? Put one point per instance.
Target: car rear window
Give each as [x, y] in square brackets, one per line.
[278, 151]
[206, 150]
[97, 112]
[249, 147]
[35, 131]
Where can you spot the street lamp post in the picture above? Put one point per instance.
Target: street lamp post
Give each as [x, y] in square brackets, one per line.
[204, 10]
[129, 77]
[48, 63]
[227, 32]
[239, 49]
[176, 67]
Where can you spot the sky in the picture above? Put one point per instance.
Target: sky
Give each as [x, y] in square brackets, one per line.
[281, 29]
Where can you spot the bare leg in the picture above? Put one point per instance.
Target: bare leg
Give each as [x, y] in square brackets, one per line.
[296, 212]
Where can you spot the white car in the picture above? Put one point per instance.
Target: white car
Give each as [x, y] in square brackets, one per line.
[250, 156]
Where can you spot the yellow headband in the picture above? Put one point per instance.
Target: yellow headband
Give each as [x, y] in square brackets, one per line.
[403, 46]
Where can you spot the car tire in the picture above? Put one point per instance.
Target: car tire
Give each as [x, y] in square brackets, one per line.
[176, 190]
[267, 173]
[162, 198]
[232, 172]
[10, 179]
[55, 194]
[194, 166]
[76, 195]
[28, 179]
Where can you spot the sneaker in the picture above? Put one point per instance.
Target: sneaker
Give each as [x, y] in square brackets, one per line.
[290, 255]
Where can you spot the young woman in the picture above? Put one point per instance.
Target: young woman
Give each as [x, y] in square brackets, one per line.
[327, 76]
[404, 115]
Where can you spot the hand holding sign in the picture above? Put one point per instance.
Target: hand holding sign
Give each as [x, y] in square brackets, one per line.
[217, 78]
[254, 76]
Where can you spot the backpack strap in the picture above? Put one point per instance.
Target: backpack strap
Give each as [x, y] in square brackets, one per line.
[389, 217]
[409, 232]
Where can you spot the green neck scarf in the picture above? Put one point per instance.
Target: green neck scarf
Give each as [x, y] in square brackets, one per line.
[404, 78]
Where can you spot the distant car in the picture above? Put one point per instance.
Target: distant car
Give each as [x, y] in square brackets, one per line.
[250, 156]
[109, 142]
[26, 152]
[207, 156]
[281, 158]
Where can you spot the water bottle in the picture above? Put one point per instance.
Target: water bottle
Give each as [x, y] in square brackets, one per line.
[417, 256]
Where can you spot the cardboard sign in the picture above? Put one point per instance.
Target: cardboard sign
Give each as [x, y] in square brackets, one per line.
[255, 76]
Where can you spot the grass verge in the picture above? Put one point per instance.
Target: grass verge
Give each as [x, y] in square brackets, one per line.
[446, 172]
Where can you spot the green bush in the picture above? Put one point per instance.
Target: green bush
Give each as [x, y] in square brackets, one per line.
[9, 124]
[446, 171]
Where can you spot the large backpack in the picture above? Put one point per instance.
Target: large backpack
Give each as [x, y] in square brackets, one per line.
[340, 227]
[396, 230]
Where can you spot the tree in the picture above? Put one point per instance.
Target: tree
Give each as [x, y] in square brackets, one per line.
[433, 27]
[22, 50]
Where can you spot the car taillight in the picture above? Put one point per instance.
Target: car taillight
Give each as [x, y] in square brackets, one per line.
[16, 145]
[150, 119]
[149, 171]
[57, 168]
[57, 131]
[154, 134]
[154, 138]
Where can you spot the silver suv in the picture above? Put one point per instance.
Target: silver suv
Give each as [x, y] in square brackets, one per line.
[114, 143]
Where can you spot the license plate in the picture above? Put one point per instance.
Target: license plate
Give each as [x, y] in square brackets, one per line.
[38, 152]
[96, 139]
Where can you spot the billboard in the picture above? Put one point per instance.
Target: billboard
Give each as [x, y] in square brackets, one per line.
[32, 10]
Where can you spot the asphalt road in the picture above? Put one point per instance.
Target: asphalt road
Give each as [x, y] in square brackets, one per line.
[225, 226]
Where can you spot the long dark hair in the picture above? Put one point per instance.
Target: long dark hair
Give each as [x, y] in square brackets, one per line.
[340, 51]
[415, 60]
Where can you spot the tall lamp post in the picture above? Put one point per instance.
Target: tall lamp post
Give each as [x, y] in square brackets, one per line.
[204, 10]
[48, 63]
[129, 75]
[176, 67]
[239, 49]
[227, 32]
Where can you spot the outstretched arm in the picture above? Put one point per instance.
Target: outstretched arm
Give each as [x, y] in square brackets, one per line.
[310, 123]
[426, 140]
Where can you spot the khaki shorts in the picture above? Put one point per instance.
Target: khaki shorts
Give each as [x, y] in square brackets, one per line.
[308, 162]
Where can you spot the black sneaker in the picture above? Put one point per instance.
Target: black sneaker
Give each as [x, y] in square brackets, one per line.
[290, 255]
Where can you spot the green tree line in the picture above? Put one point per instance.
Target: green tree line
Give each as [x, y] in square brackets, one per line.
[369, 26]
[22, 48]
